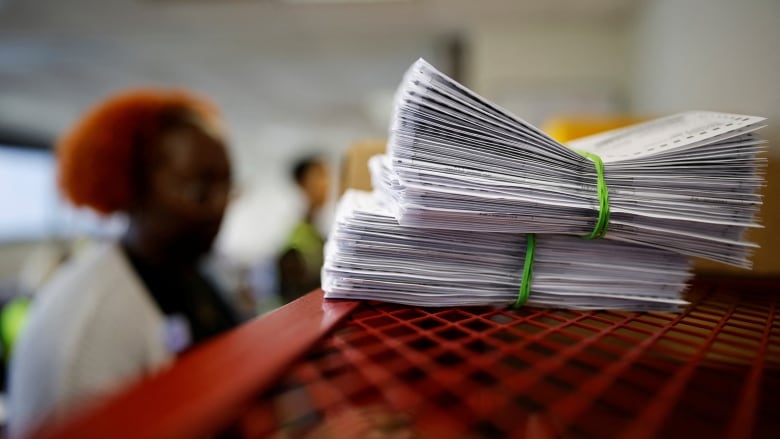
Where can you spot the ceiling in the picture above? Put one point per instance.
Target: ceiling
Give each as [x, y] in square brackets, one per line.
[56, 57]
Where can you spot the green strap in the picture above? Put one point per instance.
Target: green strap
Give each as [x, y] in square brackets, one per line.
[528, 271]
[600, 229]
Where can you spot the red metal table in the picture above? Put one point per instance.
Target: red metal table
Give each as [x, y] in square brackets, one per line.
[319, 368]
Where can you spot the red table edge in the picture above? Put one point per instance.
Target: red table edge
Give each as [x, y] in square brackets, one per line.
[204, 389]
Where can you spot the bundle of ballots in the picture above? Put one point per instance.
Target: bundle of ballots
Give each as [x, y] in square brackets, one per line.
[370, 256]
[688, 182]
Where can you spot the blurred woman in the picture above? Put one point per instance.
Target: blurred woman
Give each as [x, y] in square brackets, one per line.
[123, 309]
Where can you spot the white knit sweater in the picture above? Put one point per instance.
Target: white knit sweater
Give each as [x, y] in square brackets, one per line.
[92, 329]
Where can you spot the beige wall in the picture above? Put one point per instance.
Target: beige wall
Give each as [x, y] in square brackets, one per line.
[538, 70]
[545, 53]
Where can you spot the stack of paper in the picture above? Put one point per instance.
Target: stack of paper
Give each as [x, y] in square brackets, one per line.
[370, 256]
[473, 206]
[688, 183]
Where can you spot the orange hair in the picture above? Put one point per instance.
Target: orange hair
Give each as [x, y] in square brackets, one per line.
[97, 157]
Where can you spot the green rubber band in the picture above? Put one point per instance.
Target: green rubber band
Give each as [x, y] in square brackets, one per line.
[528, 271]
[600, 229]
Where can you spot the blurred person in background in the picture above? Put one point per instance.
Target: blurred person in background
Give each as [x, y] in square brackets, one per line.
[121, 310]
[301, 261]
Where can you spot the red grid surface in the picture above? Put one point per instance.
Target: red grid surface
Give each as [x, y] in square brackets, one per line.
[394, 371]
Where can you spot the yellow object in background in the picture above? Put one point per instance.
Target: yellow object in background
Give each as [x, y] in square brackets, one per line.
[566, 128]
